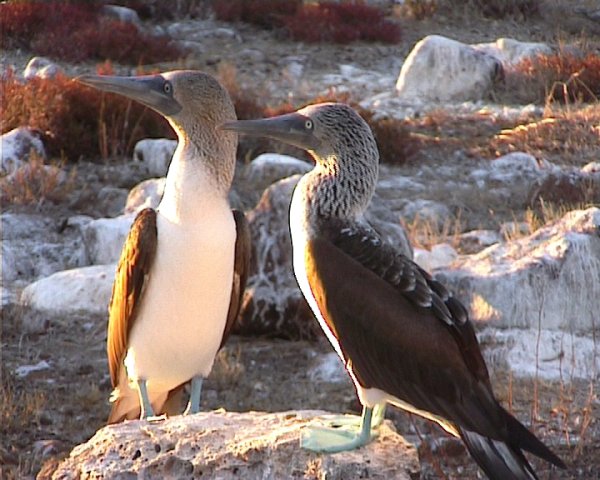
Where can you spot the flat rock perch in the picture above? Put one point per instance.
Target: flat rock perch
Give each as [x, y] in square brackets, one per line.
[227, 445]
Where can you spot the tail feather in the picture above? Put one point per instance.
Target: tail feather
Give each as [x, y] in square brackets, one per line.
[504, 459]
[497, 459]
[126, 405]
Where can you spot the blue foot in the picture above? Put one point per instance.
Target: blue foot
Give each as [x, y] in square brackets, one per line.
[339, 434]
[194, 403]
[145, 406]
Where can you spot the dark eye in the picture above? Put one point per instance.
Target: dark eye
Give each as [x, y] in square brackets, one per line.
[168, 88]
[308, 124]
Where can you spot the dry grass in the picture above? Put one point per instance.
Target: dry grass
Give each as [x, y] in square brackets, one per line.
[35, 183]
[425, 233]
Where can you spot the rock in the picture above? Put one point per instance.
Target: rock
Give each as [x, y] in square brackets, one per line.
[17, 145]
[428, 211]
[549, 279]
[592, 167]
[568, 187]
[41, 67]
[104, 238]
[549, 354]
[34, 246]
[271, 167]
[111, 201]
[25, 370]
[122, 14]
[227, 445]
[510, 51]
[440, 69]
[509, 178]
[273, 303]
[476, 240]
[156, 154]
[146, 194]
[440, 256]
[79, 291]
[329, 368]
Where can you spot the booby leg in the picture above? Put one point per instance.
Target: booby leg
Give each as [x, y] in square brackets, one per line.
[145, 406]
[344, 432]
[194, 403]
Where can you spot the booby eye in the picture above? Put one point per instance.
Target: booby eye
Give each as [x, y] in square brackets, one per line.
[308, 125]
[168, 88]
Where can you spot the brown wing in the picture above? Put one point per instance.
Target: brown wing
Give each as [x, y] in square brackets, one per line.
[240, 271]
[134, 265]
[400, 331]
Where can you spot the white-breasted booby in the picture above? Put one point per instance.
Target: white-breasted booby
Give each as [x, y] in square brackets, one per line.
[183, 268]
[403, 338]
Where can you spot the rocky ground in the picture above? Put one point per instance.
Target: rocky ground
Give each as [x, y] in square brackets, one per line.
[55, 381]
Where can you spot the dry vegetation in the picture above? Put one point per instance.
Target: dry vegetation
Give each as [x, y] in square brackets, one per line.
[322, 21]
[77, 121]
[77, 31]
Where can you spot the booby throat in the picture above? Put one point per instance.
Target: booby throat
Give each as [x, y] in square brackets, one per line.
[183, 268]
[403, 338]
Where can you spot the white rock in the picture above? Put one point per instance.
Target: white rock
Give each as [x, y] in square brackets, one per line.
[80, 291]
[41, 67]
[476, 240]
[16, 146]
[146, 194]
[104, 238]
[592, 167]
[510, 51]
[550, 279]
[271, 167]
[227, 446]
[110, 201]
[549, 354]
[25, 370]
[156, 154]
[440, 256]
[439, 69]
[122, 14]
[34, 246]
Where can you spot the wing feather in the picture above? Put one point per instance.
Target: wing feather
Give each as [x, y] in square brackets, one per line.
[134, 266]
[240, 271]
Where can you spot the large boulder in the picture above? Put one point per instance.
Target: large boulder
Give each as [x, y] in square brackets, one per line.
[510, 51]
[80, 291]
[34, 246]
[104, 238]
[267, 168]
[227, 445]
[439, 69]
[273, 303]
[16, 146]
[155, 154]
[548, 280]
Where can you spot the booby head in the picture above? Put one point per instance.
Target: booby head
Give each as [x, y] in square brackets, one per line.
[341, 143]
[183, 97]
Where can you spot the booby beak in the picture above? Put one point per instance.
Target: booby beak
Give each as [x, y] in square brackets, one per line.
[292, 128]
[154, 91]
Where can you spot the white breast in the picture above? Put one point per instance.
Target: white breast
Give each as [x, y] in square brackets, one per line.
[184, 308]
[300, 236]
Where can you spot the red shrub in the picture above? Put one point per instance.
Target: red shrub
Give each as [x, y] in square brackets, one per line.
[322, 22]
[266, 14]
[77, 32]
[76, 120]
[341, 23]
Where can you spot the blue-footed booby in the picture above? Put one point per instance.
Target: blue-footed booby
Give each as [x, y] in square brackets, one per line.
[403, 338]
[183, 268]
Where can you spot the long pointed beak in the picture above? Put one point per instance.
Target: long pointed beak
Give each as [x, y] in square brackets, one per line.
[148, 90]
[289, 128]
